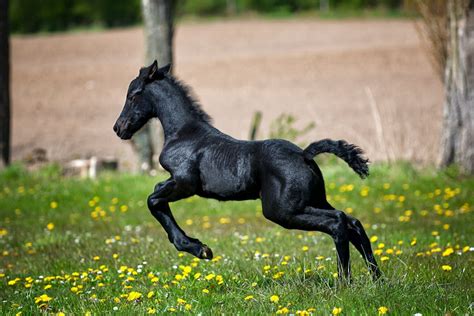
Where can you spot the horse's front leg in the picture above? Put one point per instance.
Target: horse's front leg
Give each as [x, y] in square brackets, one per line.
[169, 191]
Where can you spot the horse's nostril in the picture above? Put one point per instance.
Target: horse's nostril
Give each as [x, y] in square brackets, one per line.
[115, 128]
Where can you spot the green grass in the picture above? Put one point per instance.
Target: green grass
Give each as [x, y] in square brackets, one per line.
[73, 263]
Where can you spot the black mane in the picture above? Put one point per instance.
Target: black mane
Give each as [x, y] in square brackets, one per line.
[193, 104]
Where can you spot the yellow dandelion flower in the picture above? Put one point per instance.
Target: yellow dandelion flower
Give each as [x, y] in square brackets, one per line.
[151, 310]
[384, 258]
[447, 252]
[274, 299]
[374, 238]
[50, 226]
[283, 311]
[48, 286]
[96, 258]
[305, 248]
[60, 314]
[133, 296]
[210, 276]
[42, 299]
[446, 268]
[181, 301]
[150, 294]
[382, 310]
[249, 297]
[336, 310]
[188, 307]
[53, 204]
[205, 291]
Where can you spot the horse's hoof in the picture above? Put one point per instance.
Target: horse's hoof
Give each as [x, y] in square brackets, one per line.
[206, 253]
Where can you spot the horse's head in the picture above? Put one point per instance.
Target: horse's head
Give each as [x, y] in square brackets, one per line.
[138, 108]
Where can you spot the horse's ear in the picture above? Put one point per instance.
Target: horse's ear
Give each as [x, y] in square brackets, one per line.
[153, 71]
[166, 69]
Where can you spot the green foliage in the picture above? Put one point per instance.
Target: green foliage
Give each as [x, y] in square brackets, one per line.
[29, 16]
[283, 127]
[93, 247]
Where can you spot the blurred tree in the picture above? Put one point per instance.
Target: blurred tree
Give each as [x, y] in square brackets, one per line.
[457, 143]
[4, 85]
[158, 16]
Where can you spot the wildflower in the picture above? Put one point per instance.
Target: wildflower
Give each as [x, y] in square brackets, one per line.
[133, 296]
[50, 226]
[181, 301]
[305, 248]
[96, 258]
[274, 299]
[60, 314]
[384, 258]
[205, 291]
[151, 310]
[210, 276]
[283, 311]
[447, 252]
[383, 310]
[249, 297]
[42, 299]
[446, 267]
[150, 294]
[53, 205]
[48, 286]
[336, 310]
[374, 238]
[187, 307]
[197, 276]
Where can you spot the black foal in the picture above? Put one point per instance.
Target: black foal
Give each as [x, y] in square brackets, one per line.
[206, 162]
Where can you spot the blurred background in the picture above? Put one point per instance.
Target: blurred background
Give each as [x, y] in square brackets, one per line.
[360, 70]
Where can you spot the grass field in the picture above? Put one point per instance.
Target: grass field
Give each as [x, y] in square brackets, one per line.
[91, 247]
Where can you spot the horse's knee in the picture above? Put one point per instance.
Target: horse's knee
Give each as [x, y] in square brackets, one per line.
[152, 202]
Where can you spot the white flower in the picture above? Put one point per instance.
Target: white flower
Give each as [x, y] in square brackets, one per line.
[115, 308]
[418, 314]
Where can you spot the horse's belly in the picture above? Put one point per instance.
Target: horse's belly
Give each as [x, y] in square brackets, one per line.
[224, 185]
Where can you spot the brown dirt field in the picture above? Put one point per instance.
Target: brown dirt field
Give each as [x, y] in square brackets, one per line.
[68, 89]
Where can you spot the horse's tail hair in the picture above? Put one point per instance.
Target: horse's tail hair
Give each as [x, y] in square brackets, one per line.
[350, 153]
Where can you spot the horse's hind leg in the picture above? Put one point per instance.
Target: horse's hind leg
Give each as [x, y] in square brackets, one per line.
[359, 239]
[309, 218]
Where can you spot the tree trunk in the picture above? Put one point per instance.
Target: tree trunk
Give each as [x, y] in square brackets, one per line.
[457, 143]
[4, 85]
[159, 28]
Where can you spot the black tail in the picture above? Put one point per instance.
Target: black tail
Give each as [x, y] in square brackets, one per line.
[350, 153]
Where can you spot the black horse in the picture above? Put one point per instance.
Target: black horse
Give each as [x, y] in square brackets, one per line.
[204, 161]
